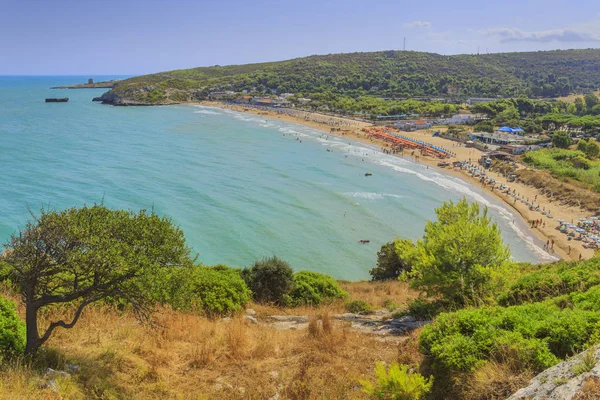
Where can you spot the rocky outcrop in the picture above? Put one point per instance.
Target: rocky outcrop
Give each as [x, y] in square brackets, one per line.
[564, 381]
[379, 324]
[137, 98]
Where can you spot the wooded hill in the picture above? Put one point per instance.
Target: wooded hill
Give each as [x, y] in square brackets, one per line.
[385, 73]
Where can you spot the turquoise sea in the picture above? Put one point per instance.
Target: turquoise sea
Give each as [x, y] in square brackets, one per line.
[241, 187]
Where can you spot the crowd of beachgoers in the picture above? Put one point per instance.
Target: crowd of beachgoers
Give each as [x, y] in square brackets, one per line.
[586, 230]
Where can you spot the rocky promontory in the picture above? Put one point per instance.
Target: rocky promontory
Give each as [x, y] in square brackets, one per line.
[148, 96]
[97, 85]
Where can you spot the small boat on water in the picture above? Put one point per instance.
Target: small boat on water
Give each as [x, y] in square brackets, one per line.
[57, 100]
[368, 174]
[364, 241]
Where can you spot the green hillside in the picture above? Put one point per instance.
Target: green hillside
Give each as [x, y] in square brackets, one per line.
[384, 73]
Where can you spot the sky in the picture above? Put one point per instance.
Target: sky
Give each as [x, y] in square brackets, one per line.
[132, 37]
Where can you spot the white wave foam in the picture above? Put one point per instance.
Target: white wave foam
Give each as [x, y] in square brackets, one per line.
[372, 153]
[371, 196]
[207, 112]
[457, 186]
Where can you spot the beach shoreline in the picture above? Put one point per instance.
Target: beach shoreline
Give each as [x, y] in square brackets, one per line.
[546, 233]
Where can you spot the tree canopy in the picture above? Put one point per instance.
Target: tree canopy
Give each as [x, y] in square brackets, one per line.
[392, 260]
[82, 255]
[562, 140]
[383, 73]
[457, 253]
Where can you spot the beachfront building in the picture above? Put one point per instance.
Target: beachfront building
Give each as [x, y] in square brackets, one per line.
[410, 126]
[268, 102]
[508, 129]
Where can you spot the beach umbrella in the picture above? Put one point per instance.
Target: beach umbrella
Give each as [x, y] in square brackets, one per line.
[560, 220]
[583, 219]
[580, 231]
[594, 218]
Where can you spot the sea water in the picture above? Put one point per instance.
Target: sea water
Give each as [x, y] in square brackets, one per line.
[241, 187]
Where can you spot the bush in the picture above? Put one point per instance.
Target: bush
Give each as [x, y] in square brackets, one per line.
[211, 291]
[483, 126]
[5, 271]
[397, 383]
[270, 280]
[424, 310]
[552, 280]
[532, 336]
[312, 288]
[12, 331]
[561, 140]
[391, 260]
[358, 306]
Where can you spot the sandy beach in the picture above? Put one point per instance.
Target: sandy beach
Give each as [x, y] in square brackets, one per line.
[546, 232]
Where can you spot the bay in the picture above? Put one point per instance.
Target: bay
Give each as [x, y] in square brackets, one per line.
[240, 186]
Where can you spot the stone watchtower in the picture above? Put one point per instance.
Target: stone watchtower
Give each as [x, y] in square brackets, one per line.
[90, 81]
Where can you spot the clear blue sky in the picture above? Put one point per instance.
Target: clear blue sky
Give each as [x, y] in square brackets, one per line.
[46, 37]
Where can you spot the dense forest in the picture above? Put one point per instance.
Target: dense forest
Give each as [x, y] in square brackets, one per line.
[397, 74]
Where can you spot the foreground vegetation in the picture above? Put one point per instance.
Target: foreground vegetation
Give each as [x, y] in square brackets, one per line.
[495, 324]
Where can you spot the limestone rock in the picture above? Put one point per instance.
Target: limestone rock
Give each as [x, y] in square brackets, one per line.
[564, 380]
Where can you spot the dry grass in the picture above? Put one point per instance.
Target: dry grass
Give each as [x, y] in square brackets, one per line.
[590, 389]
[190, 357]
[493, 381]
[377, 294]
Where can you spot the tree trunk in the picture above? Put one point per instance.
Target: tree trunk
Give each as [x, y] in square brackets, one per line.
[33, 336]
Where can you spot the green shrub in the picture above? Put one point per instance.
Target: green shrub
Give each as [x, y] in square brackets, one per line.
[312, 288]
[5, 271]
[392, 260]
[12, 331]
[358, 306]
[397, 383]
[573, 164]
[553, 280]
[211, 291]
[270, 279]
[532, 336]
[423, 310]
[483, 126]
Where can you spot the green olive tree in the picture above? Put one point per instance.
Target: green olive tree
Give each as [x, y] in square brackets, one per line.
[82, 255]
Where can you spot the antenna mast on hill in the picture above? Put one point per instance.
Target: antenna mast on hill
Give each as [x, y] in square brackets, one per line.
[404, 47]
